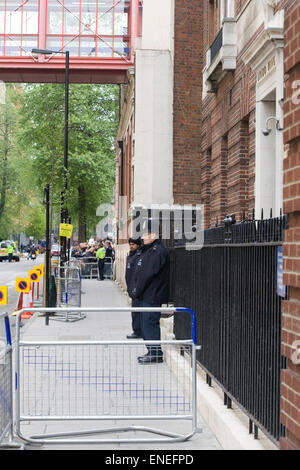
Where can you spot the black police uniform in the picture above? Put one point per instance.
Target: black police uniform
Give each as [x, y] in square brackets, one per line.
[131, 262]
[152, 289]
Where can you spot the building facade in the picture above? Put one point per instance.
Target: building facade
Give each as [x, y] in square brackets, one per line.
[290, 391]
[212, 118]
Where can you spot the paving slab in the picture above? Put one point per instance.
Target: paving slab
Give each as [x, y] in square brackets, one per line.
[92, 379]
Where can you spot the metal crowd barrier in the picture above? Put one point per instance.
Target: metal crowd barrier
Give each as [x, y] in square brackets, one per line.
[80, 381]
[68, 288]
[108, 268]
[89, 267]
[6, 389]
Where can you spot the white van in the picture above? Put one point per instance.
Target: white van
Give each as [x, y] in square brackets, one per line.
[4, 251]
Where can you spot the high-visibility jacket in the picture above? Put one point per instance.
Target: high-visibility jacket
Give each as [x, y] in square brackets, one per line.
[101, 253]
[10, 249]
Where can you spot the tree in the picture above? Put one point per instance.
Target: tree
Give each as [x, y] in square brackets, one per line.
[93, 122]
[7, 119]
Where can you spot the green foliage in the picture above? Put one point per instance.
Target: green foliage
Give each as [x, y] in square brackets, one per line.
[93, 121]
[15, 179]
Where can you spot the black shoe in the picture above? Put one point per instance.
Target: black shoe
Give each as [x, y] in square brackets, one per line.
[133, 336]
[148, 359]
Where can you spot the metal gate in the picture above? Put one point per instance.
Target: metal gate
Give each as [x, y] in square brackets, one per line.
[101, 381]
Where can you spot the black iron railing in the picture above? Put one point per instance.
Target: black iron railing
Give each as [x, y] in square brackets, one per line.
[231, 285]
[216, 45]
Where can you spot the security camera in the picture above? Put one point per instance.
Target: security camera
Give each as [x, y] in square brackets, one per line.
[267, 131]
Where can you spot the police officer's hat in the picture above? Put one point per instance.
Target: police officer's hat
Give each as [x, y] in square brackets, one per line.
[137, 241]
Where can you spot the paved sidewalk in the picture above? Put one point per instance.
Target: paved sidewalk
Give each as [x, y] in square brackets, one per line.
[99, 326]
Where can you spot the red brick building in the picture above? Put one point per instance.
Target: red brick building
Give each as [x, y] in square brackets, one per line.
[290, 393]
[235, 137]
[187, 104]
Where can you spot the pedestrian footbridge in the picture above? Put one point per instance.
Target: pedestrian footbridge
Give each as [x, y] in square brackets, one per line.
[99, 35]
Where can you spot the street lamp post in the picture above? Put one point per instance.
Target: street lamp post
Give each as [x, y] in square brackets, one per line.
[64, 211]
[47, 263]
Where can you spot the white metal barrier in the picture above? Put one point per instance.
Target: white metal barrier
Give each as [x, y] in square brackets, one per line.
[6, 389]
[89, 267]
[108, 268]
[68, 289]
[102, 381]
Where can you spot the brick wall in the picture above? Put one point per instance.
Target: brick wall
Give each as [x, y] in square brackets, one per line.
[290, 392]
[188, 65]
[228, 146]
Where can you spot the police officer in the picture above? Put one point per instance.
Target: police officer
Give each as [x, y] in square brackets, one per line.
[132, 258]
[10, 250]
[151, 289]
[100, 255]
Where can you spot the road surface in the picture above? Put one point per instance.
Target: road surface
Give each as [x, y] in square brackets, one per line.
[8, 274]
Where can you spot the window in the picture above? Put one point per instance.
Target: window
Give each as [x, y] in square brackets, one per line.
[95, 28]
[18, 27]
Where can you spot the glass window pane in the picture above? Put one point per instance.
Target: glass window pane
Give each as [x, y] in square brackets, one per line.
[88, 17]
[1, 45]
[121, 18]
[2, 11]
[12, 45]
[71, 45]
[104, 47]
[54, 44]
[121, 48]
[30, 17]
[13, 19]
[71, 17]
[88, 47]
[105, 17]
[55, 16]
[71, 25]
[28, 43]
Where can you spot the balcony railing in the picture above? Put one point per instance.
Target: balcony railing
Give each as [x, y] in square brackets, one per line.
[221, 56]
[216, 45]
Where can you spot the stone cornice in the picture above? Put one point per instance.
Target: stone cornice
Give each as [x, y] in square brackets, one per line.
[271, 38]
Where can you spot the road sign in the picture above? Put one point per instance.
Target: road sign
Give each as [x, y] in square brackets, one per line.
[34, 275]
[38, 271]
[65, 230]
[3, 295]
[22, 285]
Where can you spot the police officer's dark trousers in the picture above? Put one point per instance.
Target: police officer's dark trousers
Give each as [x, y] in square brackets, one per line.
[150, 322]
[136, 318]
[101, 264]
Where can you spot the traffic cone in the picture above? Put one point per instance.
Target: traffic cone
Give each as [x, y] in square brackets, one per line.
[20, 302]
[19, 306]
[30, 299]
[26, 303]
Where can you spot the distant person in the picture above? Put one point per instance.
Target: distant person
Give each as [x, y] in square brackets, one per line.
[100, 255]
[33, 253]
[76, 252]
[131, 261]
[109, 250]
[88, 258]
[10, 250]
[109, 259]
